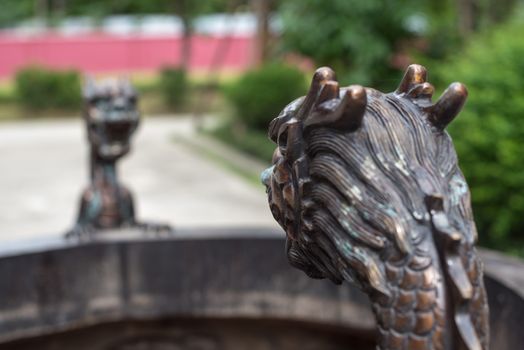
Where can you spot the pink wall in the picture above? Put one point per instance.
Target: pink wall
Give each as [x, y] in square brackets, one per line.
[99, 53]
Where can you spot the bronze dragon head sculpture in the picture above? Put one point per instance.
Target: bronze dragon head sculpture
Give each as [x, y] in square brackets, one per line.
[368, 189]
[111, 115]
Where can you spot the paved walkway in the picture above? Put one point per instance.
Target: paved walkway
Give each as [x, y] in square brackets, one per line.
[44, 168]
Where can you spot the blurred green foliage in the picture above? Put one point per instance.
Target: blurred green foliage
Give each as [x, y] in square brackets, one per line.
[13, 11]
[174, 87]
[356, 38]
[104, 7]
[447, 30]
[41, 88]
[489, 133]
[370, 42]
[259, 95]
[256, 98]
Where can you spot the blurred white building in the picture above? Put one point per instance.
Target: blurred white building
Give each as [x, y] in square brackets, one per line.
[220, 24]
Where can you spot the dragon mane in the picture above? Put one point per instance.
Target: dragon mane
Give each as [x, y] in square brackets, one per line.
[369, 182]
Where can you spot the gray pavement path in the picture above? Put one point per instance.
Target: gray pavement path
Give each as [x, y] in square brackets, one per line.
[43, 170]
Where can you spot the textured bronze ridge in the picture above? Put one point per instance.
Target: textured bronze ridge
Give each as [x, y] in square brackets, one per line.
[368, 189]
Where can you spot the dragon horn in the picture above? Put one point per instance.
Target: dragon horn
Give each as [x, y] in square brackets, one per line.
[346, 115]
[421, 90]
[351, 108]
[448, 106]
[415, 74]
[329, 91]
[320, 78]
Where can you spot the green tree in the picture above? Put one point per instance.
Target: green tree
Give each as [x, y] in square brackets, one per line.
[16, 10]
[13, 11]
[489, 133]
[452, 22]
[353, 37]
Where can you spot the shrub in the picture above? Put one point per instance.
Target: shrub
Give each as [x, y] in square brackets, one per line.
[489, 133]
[174, 87]
[259, 95]
[41, 88]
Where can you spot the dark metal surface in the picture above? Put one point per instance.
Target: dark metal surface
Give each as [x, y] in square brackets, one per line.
[186, 333]
[111, 116]
[368, 189]
[127, 287]
[142, 278]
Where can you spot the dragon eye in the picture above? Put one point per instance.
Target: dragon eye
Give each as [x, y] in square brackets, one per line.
[282, 141]
[282, 136]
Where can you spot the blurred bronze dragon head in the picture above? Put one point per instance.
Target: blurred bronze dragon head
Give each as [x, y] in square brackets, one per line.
[111, 116]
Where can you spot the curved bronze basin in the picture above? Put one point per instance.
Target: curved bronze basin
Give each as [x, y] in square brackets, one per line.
[200, 289]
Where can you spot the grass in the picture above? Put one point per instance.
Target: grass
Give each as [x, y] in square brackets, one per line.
[222, 161]
[252, 142]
